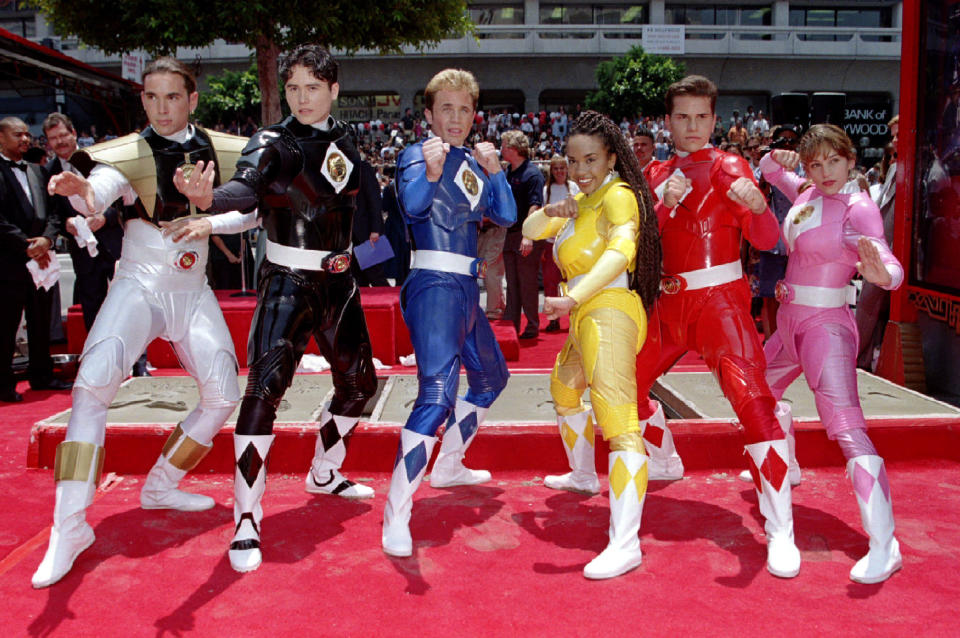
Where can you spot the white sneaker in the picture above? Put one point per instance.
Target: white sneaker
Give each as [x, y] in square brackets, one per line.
[337, 485]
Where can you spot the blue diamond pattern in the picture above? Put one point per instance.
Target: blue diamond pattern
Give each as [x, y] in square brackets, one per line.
[468, 426]
[415, 460]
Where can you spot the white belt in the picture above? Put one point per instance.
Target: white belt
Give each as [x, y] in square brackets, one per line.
[291, 257]
[702, 278]
[815, 296]
[446, 262]
[192, 258]
[619, 282]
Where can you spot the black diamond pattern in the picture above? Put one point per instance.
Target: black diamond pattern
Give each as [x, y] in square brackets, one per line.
[329, 434]
[250, 464]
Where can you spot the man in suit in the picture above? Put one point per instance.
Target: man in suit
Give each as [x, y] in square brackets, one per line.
[28, 228]
[93, 273]
[368, 225]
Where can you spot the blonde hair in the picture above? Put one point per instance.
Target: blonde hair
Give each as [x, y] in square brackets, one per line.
[451, 80]
[820, 135]
[517, 140]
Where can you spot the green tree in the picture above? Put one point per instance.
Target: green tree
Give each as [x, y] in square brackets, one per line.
[230, 95]
[633, 83]
[267, 26]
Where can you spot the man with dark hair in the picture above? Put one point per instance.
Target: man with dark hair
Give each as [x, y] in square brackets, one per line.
[302, 175]
[159, 290]
[28, 227]
[708, 200]
[643, 147]
[521, 256]
[94, 268]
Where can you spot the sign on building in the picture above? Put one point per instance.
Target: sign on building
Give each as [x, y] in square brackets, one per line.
[663, 39]
[132, 67]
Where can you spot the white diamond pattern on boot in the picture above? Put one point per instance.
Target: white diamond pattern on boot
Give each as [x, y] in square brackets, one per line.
[872, 489]
[448, 470]
[330, 451]
[408, 471]
[776, 506]
[578, 437]
[250, 480]
[628, 489]
[664, 464]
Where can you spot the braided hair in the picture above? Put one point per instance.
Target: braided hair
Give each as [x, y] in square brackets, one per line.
[645, 278]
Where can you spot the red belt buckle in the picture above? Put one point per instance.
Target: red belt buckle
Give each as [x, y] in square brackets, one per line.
[672, 284]
[337, 263]
[187, 259]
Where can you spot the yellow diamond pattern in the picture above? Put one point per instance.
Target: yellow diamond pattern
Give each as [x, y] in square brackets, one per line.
[569, 436]
[588, 432]
[619, 477]
[640, 480]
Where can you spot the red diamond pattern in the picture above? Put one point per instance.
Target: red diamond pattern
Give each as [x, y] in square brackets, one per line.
[774, 468]
[654, 434]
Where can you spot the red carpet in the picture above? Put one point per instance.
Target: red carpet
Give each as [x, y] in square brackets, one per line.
[498, 560]
[502, 559]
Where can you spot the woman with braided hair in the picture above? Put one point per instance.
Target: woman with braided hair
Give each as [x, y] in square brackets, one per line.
[608, 249]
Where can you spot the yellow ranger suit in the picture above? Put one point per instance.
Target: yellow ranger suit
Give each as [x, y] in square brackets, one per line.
[595, 251]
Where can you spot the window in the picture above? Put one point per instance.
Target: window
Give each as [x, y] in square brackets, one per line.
[497, 14]
[23, 27]
[725, 15]
[842, 17]
[614, 14]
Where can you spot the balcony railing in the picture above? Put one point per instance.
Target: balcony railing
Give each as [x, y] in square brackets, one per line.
[607, 40]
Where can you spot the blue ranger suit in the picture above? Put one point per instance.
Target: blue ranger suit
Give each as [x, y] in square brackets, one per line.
[441, 306]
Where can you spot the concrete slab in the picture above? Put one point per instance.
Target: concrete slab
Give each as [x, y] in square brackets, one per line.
[696, 395]
[162, 400]
[526, 399]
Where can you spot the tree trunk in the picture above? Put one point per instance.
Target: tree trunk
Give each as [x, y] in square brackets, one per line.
[267, 55]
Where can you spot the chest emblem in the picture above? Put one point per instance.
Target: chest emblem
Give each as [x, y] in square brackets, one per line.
[469, 183]
[337, 168]
[188, 169]
[801, 218]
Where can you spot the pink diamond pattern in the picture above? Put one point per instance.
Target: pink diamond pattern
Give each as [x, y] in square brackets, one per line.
[862, 482]
[884, 481]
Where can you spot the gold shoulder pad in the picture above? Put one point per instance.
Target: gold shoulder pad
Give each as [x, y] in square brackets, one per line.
[132, 156]
[228, 148]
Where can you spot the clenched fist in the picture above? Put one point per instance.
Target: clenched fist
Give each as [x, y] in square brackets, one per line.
[434, 155]
[566, 207]
[486, 155]
[745, 192]
[674, 190]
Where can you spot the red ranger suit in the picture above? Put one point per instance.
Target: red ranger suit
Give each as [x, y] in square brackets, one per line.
[705, 306]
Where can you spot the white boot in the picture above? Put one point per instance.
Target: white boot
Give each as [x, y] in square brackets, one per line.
[250, 481]
[448, 470]
[628, 489]
[768, 465]
[180, 455]
[408, 470]
[785, 419]
[324, 476]
[76, 471]
[664, 463]
[578, 435]
[869, 478]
